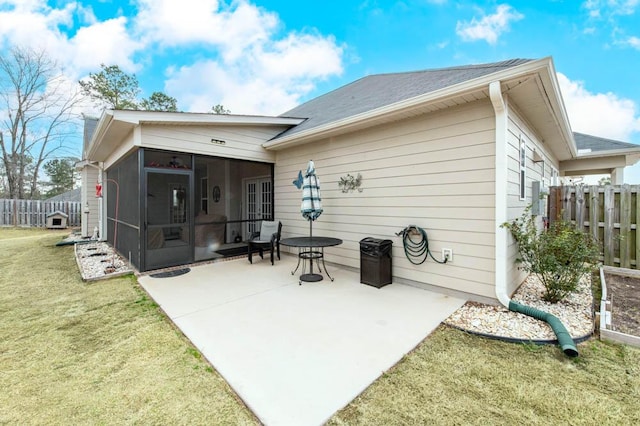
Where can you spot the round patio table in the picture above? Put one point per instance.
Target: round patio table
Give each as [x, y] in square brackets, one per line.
[311, 248]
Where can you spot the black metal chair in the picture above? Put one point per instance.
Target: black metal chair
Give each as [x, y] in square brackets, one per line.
[267, 238]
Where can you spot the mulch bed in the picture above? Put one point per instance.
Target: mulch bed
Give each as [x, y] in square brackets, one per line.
[624, 294]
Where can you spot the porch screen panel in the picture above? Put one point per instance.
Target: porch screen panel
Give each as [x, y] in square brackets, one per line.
[123, 201]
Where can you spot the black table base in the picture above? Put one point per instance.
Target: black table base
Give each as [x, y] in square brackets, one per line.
[310, 278]
[310, 249]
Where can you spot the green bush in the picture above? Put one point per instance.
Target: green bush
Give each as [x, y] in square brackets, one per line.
[559, 256]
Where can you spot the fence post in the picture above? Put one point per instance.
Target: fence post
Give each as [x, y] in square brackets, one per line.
[625, 226]
[594, 212]
[566, 202]
[580, 207]
[609, 210]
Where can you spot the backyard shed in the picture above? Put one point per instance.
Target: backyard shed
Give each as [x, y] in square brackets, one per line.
[57, 220]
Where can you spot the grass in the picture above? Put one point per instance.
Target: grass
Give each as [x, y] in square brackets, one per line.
[98, 353]
[454, 378]
[104, 353]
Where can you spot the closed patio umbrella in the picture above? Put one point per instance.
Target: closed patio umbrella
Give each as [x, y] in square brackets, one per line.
[311, 207]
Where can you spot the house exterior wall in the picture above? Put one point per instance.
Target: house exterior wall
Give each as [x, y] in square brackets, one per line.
[535, 171]
[122, 149]
[434, 171]
[89, 200]
[240, 142]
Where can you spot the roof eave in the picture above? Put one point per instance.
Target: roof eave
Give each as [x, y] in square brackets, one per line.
[609, 153]
[558, 108]
[98, 135]
[191, 118]
[128, 119]
[530, 67]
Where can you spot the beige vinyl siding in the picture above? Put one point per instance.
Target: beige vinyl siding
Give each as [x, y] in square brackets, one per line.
[435, 171]
[89, 200]
[517, 126]
[241, 142]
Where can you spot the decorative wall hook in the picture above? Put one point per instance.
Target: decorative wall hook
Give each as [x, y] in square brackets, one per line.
[349, 183]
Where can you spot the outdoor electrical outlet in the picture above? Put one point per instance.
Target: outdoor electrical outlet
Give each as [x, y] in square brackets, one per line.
[447, 254]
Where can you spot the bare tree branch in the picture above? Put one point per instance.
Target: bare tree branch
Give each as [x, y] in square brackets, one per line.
[39, 119]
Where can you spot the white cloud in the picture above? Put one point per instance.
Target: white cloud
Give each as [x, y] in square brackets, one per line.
[608, 8]
[229, 28]
[605, 115]
[36, 25]
[599, 114]
[240, 58]
[106, 42]
[268, 78]
[489, 27]
[251, 70]
[634, 42]
[220, 85]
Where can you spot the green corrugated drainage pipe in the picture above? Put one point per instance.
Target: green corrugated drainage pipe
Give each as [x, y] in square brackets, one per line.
[564, 338]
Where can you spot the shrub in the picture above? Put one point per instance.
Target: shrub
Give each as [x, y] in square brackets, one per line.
[559, 256]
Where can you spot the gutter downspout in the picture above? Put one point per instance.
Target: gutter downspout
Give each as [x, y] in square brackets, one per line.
[501, 236]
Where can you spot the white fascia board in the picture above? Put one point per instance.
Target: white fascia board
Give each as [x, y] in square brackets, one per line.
[101, 128]
[136, 118]
[609, 153]
[162, 117]
[531, 67]
[559, 110]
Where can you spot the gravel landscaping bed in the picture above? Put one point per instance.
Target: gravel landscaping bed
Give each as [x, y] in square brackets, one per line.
[98, 260]
[575, 312]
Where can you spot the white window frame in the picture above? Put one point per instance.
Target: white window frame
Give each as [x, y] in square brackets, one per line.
[523, 168]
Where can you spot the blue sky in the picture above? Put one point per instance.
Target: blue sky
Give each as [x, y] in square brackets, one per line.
[266, 56]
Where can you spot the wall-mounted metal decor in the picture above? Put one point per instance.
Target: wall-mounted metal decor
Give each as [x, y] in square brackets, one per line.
[349, 183]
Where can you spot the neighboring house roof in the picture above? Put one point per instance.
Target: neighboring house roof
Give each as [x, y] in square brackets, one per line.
[73, 196]
[589, 143]
[375, 91]
[598, 155]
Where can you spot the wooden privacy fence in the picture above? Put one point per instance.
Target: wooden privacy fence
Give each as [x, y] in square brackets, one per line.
[609, 213]
[34, 212]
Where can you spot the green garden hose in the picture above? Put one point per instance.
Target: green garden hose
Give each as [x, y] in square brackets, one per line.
[416, 248]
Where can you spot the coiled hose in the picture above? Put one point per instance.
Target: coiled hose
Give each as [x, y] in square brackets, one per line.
[416, 250]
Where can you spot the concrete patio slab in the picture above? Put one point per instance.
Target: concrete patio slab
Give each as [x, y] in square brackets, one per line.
[296, 354]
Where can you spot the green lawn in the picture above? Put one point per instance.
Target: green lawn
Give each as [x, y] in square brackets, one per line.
[103, 353]
[98, 353]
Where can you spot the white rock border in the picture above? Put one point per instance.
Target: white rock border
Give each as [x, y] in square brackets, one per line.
[97, 260]
[575, 312]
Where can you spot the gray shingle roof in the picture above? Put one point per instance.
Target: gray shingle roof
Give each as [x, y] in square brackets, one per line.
[73, 195]
[375, 91]
[595, 143]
